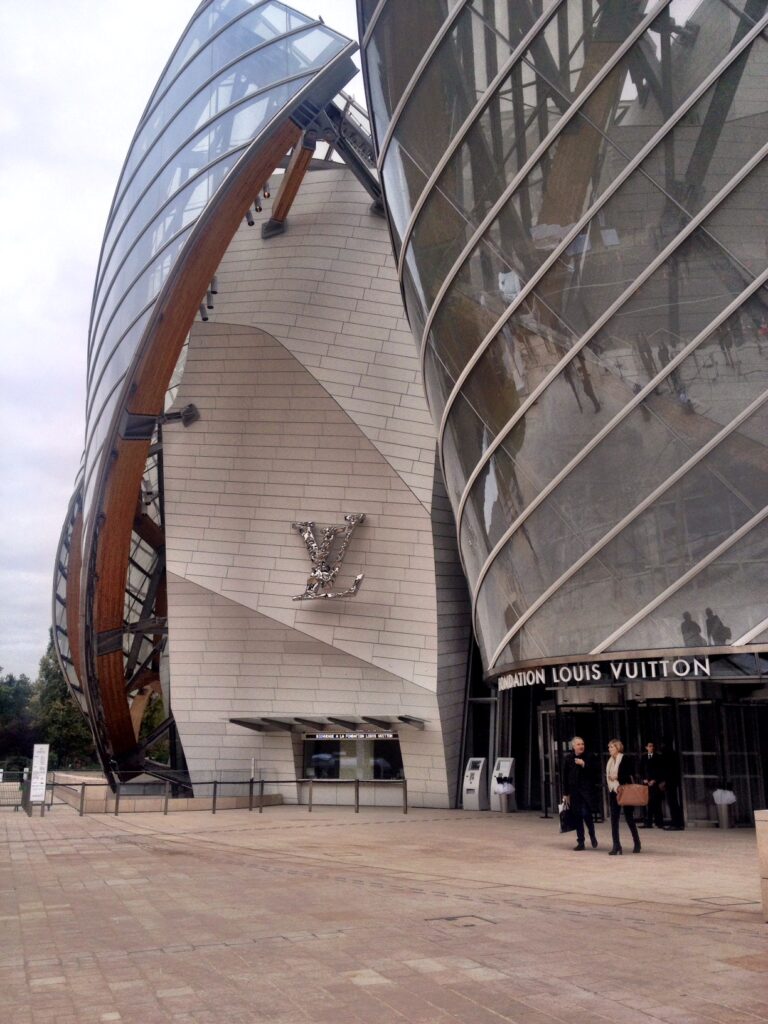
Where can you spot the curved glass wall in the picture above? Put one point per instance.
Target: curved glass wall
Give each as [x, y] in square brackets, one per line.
[575, 198]
[239, 67]
[242, 72]
[65, 565]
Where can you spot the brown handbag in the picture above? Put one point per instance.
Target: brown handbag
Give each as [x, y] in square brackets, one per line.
[632, 794]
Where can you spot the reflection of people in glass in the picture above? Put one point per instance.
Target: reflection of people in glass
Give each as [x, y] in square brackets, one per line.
[618, 772]
[691, 632]
[717, 634]
[646, 356]
[761, 333]
[662, 352]
[725, 339]
[568, 374]
[586, 382]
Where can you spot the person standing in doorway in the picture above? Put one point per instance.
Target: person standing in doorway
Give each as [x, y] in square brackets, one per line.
[579, 784]
[618, 772]
[652, 774]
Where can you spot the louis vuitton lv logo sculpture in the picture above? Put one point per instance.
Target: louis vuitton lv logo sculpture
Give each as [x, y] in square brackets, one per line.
[324, 567]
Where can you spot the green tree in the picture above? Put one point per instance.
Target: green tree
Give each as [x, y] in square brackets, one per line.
[16, 730]
[153, 716]
[57, 719]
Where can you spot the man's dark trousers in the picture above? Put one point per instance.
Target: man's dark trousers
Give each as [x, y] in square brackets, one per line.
[582, 813]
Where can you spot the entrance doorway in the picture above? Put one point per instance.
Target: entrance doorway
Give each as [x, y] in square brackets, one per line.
[707, 745]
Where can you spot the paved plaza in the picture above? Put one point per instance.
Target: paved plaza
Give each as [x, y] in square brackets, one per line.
[434, 917]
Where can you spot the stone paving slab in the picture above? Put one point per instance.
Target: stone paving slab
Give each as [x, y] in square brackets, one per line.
[434, 917]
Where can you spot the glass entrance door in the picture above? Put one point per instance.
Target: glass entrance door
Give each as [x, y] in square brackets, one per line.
[706, 745]
[557, 727]
[745, 742]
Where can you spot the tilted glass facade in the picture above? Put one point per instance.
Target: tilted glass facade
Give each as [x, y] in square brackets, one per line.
[239, 67]
[247, 77]
[576, 200]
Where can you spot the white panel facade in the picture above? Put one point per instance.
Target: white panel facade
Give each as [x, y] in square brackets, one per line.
[311, 407]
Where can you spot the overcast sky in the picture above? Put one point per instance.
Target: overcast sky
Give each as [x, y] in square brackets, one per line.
[75, 76]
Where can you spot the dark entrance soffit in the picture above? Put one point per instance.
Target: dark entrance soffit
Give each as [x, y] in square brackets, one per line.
[268, 723]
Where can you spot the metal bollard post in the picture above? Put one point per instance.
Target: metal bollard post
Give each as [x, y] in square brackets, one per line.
[357, 796]
[165, 796]
[261, 795]
[215, 791]
[309, 802]
[250, 794]
[405, 796]
[82, 798]
[117, 797]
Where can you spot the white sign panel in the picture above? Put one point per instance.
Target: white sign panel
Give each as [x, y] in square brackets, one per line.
[39, 773]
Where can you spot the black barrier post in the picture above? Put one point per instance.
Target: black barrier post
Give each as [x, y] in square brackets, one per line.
[309, 802]
[405, 796]
[82, 798]
[357, 796]
[215, 791]
[117, 797]
[250, 794]
[261, 795]
[165, 796]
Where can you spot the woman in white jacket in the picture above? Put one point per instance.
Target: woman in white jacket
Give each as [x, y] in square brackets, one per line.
[618, 772]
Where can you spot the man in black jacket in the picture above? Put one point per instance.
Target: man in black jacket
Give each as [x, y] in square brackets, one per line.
[579, 782]
[652, 774]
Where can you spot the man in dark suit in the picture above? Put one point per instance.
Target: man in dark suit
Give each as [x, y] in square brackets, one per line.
[652, 774]
[579, 783]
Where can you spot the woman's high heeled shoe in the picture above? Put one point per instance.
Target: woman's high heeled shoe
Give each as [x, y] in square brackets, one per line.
[615, 851]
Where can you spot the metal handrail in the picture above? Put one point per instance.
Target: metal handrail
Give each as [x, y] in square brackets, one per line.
[121, 788]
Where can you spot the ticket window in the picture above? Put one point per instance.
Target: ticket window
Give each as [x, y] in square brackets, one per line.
[353, 758]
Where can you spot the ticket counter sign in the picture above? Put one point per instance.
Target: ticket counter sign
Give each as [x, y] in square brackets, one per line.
[39, 773]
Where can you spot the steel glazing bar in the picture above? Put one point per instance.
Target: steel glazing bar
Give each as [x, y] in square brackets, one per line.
[416, 76]
[751, 634]
[103, 294]
[692, 573]
[679, 473]
[522, 174]
[608, 429]
[158, 94]
[487, 96]
[199, 129]
[372, 23]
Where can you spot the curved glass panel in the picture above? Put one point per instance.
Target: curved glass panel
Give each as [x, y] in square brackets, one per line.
[64, 566]
[244, 71]
[197, 127]
[407, 29]
[631, 228]
[221, 32]
[733, 587]
[142, 292]
[687, 521]
[258, 72]
[671, 73]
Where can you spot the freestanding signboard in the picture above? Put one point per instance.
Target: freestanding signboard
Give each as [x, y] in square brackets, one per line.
[39, 773]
